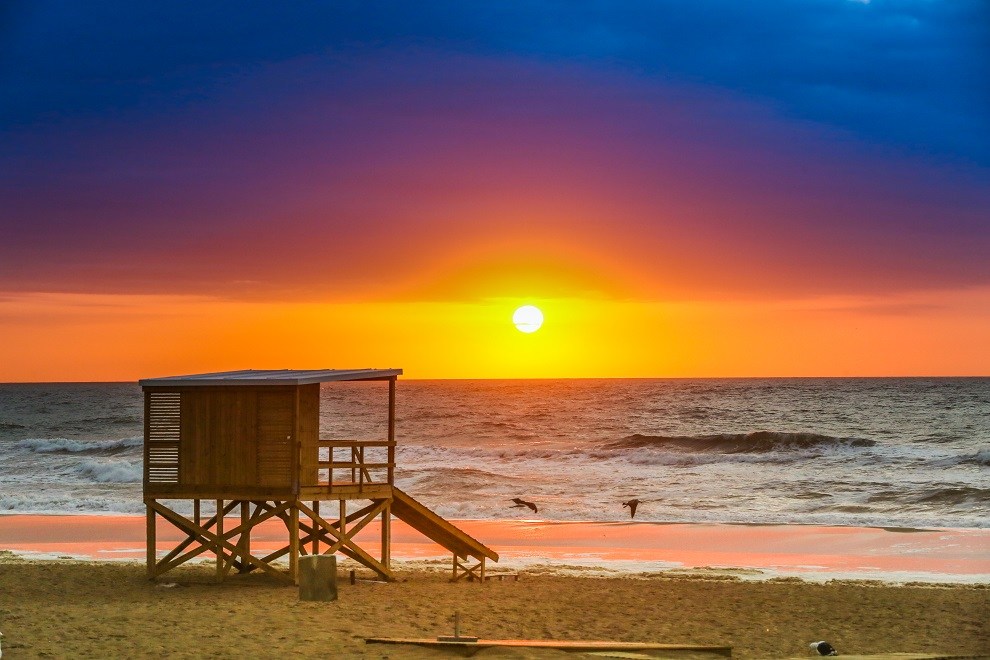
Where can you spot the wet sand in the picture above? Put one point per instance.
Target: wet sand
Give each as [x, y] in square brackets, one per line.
[760, 551]
[765, 590]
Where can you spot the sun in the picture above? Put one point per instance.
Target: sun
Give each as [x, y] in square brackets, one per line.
[528, 318]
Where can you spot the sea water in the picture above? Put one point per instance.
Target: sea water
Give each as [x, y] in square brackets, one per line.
[898, 452]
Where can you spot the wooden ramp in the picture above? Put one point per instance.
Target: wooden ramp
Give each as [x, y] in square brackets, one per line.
[613, 649]
[432, 526]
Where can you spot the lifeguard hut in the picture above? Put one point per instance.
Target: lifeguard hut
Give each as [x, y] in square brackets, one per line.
[249, 442]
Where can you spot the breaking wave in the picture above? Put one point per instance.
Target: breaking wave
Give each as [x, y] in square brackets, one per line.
[67, 446]
[111, 472]
[738, 443]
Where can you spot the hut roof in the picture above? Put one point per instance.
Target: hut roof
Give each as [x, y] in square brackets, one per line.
[270, 377]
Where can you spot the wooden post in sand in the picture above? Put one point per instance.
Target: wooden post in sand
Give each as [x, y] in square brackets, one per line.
[152, 542]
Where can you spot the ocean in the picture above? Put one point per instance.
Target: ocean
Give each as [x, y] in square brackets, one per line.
[882, 452]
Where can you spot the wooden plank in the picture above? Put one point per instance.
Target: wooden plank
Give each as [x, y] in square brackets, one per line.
[236, 445]
[347, 491]
[308, 433]
[276, 410]
[577, 646]
[355, 443]
[217, 491]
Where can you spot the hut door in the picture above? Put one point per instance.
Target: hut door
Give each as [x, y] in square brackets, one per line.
[275, 441]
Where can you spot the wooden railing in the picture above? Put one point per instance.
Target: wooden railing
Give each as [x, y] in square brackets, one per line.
[348, 463]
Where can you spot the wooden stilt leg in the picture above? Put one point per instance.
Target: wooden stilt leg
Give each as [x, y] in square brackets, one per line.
[196, 516]
[152, 543]
[220, 534]
[294, 543]
[387, 537]
[245, 541]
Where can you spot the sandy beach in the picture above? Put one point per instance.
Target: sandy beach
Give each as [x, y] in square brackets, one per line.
[108, 609]
[765, 591]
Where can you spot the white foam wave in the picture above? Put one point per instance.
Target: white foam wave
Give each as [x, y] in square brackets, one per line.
[66, 445]
[106, 472]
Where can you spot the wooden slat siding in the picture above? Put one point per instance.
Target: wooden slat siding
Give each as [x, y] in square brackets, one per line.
[197, 423]
[162, 438]
[276, 413]
[308, 432]
[237, 442]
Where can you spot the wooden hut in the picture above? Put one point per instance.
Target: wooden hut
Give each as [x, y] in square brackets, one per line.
[249, 442]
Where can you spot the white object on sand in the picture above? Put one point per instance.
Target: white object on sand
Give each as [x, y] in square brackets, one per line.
[823, 648]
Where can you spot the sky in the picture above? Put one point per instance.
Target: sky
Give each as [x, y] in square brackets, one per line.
[705, 189]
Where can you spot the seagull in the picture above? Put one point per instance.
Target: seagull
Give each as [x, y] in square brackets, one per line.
[823, 648]
[632, 504]
[521, 503]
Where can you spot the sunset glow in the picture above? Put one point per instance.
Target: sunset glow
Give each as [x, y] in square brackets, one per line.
[386, 192]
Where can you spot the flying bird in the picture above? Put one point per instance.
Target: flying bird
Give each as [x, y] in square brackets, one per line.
[632, 504]
[823, 648]
[521, 503]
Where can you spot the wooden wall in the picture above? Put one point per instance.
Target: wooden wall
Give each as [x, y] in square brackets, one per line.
[237, 438]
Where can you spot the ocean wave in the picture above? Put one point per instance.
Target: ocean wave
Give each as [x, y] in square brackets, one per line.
[455, 478]
[111, 419]
[107, 472]
[738, 443]
[10, 426]
[67, 446]
[981, 457]
[955, 495]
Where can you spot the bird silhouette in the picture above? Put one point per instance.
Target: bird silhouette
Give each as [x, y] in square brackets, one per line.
[521, 503]
[632, 504]
[823, 648]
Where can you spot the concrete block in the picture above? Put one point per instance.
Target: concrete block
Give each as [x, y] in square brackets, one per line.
[318, 577]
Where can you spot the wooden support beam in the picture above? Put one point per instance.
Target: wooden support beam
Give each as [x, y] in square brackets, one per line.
[346, 542]
[294, 543]
[387, 535]
[217, 550]
[190, 539]
[391, 431]
[463, 570]
[316, 540]
[207, 540]
[152, 557]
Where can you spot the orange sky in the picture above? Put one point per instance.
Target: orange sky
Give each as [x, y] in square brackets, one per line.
[61, 337]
